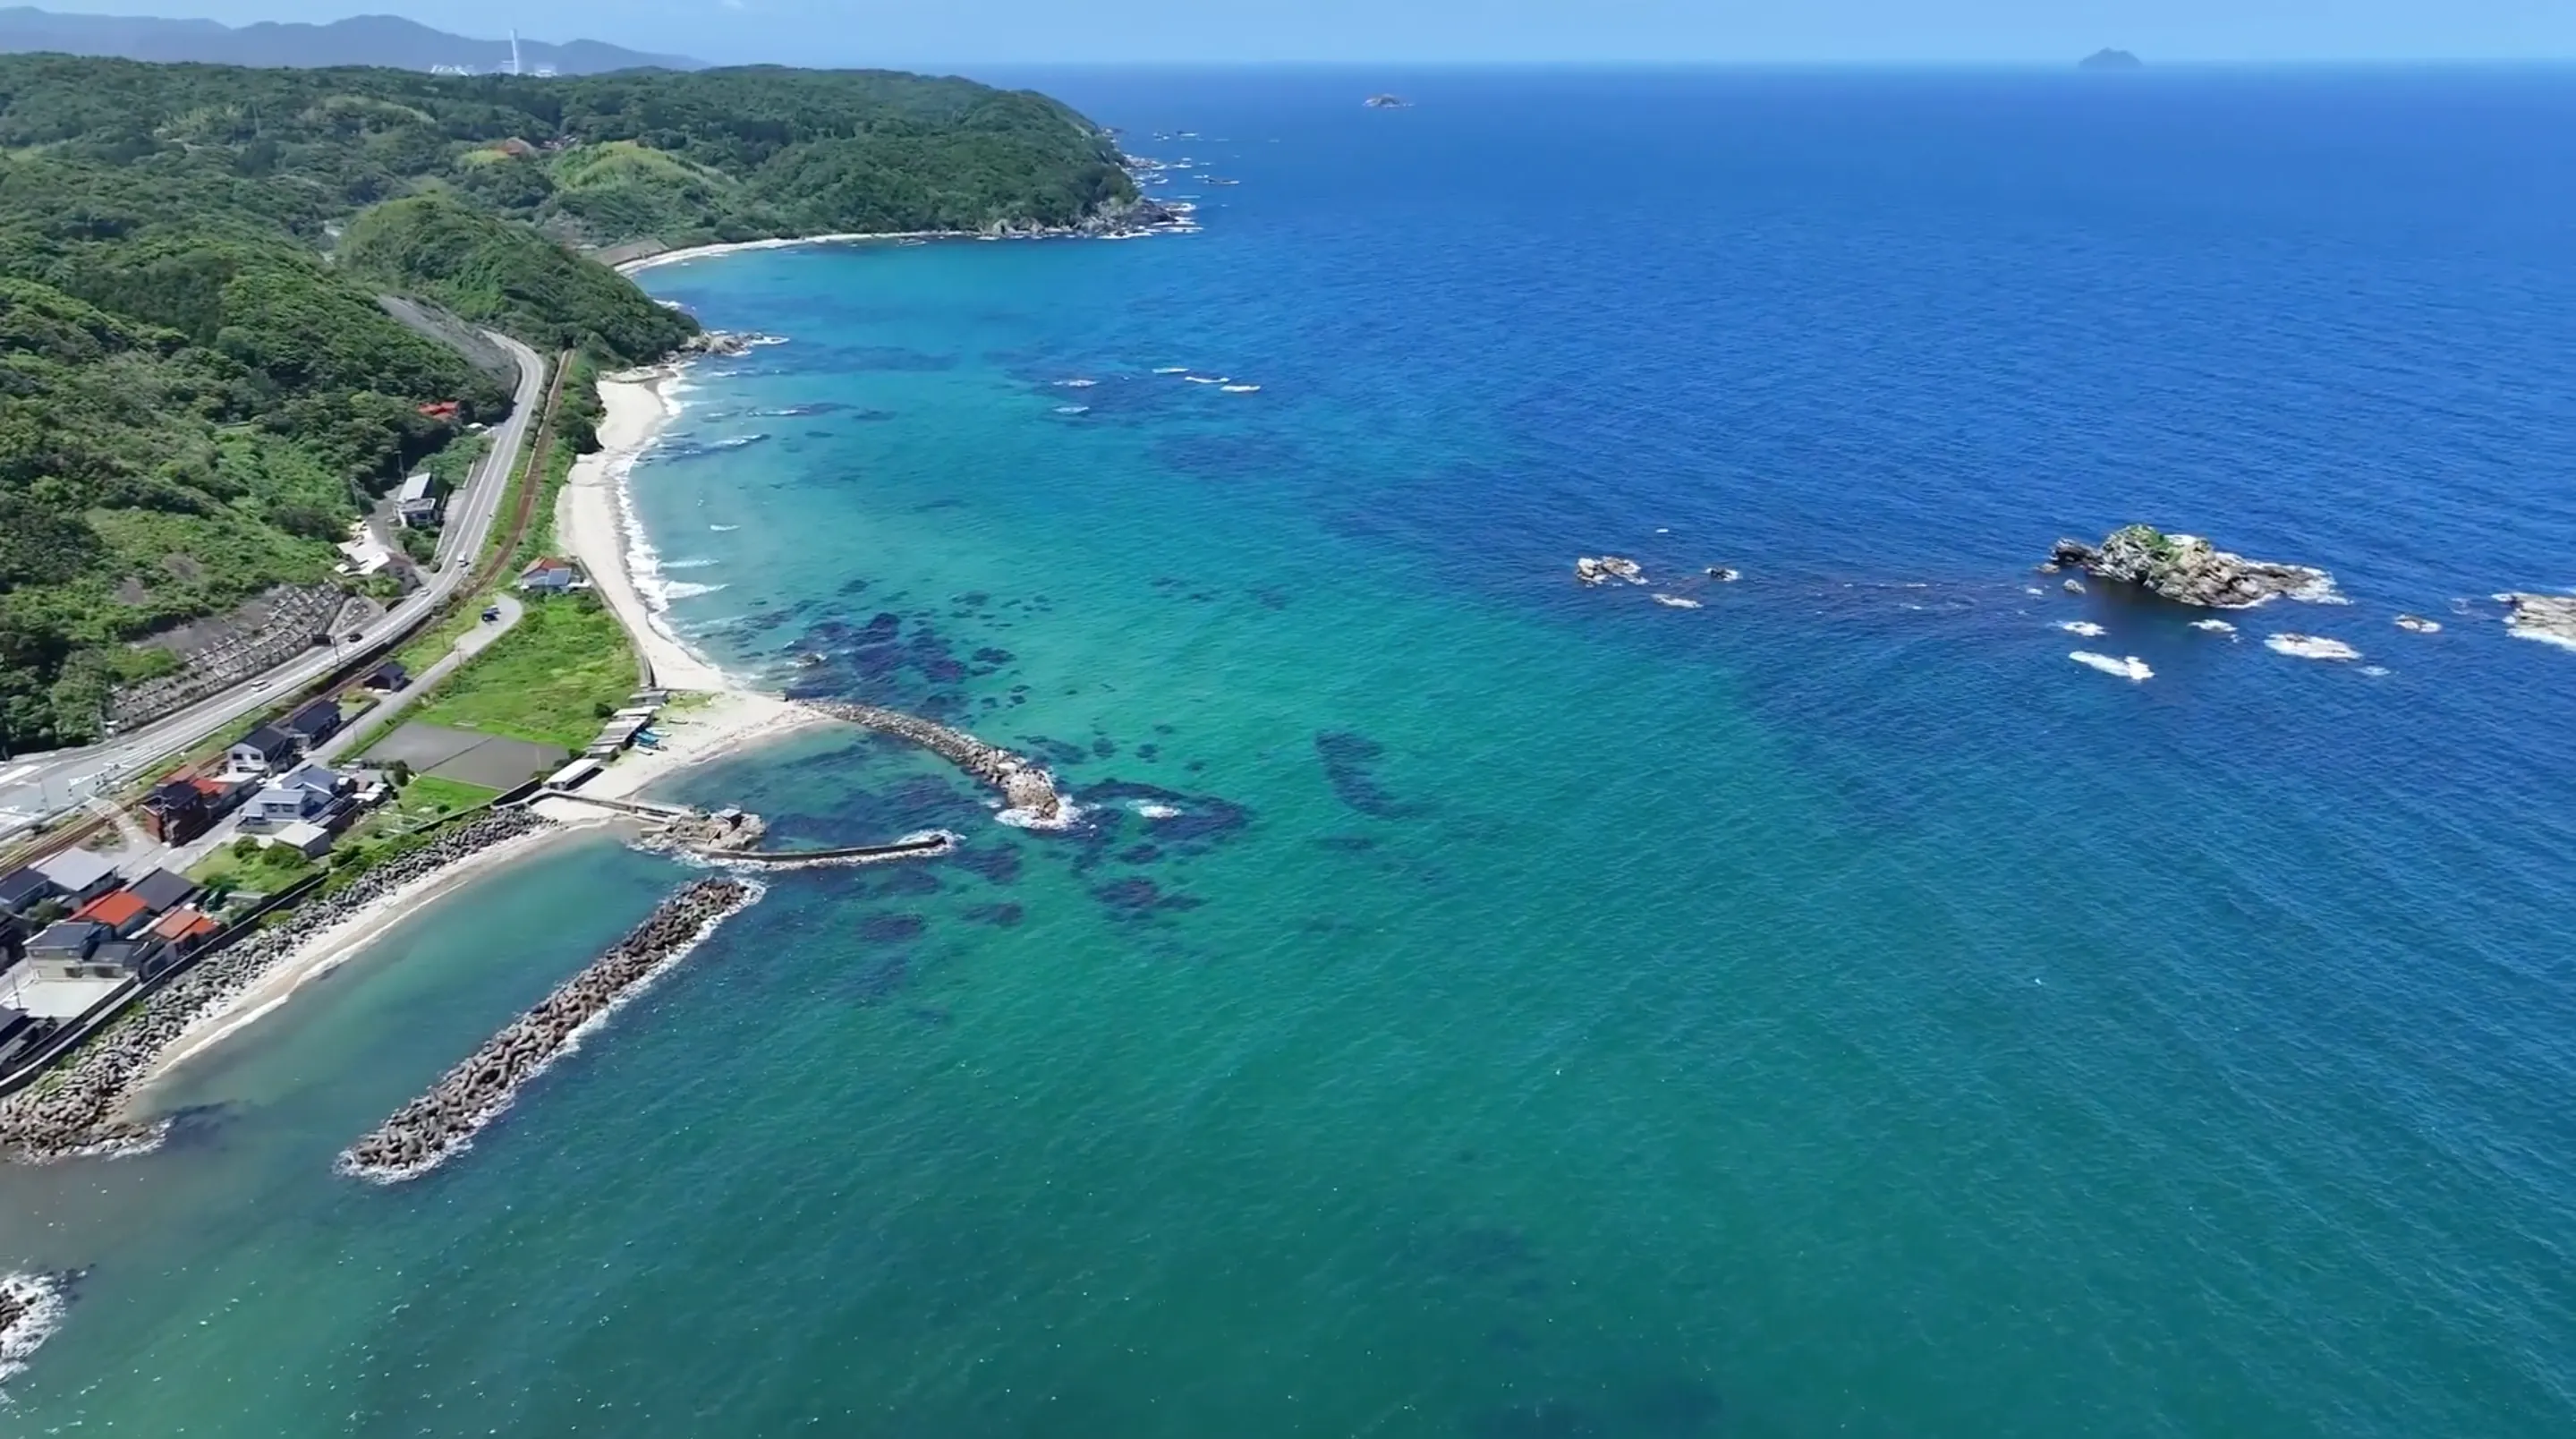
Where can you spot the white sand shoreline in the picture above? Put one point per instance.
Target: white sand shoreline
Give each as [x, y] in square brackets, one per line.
[737, 247]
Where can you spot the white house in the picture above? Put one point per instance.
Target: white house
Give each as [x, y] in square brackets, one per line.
[549, 574]
[303, 793]
[416, 504]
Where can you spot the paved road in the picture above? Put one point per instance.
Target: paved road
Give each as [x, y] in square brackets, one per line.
[36, 786]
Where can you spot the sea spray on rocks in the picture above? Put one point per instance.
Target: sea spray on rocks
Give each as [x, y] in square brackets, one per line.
[423, 1134]
[1028, 791]
[74, 1111]
[31, 1306]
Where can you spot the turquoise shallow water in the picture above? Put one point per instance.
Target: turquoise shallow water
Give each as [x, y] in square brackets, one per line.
[1827, 1010]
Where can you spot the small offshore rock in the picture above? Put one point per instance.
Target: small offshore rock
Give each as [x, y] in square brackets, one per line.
[1597, 569]
[2190, 570]
[1724, 575]
[2550, 619]
[2310, 647]
[2419, 624]
[2073, 587]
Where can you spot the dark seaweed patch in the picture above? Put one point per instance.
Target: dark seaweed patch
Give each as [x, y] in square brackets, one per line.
[903, 879]
[1346, 843]
[998, 863]
[876, 983]
[1054, 751]
[1139, 897]
[855, 587]
[1000, 916]
[889, 928]
[1103, 747]
[1347, 762]
[1149, 752]
[1139, 854]
[989, 655]
[1203, 817]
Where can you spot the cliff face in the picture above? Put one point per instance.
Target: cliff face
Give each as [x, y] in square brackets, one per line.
[2190, 570]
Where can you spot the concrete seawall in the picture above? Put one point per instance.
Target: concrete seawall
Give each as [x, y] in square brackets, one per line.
[428, 1131]
[76, 1109]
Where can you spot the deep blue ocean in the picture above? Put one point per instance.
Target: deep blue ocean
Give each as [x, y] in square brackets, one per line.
[1550, 1012]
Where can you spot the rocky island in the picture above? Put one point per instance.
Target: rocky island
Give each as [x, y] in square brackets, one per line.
[1599, 569]
[2550, 619]
[2190, 570]
[2110, 60]
[1388, 102]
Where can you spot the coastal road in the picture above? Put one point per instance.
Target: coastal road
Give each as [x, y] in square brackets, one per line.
[37, 787]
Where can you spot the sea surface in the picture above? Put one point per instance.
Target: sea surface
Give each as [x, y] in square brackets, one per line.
[1538, 1010]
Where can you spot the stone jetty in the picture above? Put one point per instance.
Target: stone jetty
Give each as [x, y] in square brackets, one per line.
[1028, 790]
[424, 1133]
[76, 1109]
[2190, 570]
[30, 1306]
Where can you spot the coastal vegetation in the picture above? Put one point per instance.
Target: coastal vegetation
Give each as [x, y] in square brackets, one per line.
[546, 680]
[198, 389]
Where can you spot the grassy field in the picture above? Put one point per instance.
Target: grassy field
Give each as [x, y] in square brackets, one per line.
[428, 797]
[265, 870]
[548, 681]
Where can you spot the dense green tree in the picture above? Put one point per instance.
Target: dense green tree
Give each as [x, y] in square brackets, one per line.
[198, 388]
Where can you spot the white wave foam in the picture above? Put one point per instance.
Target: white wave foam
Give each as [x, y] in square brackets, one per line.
[2521, 632]
[1066, 814]
[696, 564]
[2310, 647]
[1150, 810]
[685, 589]
[2216, 627]
[1077, 384]
[43, 1297]
[1677, 602]
[2086, 628]
[724, 529]
[1205, 379]
[1240, 389]
[1171, 369]
[2375, 671]
[2132, 668]
[1073, 409]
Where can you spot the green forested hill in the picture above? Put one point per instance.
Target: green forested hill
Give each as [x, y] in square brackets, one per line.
[197, 389]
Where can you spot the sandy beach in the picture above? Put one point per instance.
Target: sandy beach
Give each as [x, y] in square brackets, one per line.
[700, 252]
[330, 948]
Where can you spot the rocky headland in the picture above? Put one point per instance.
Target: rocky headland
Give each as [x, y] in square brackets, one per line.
[77, 1108]
[2550, 619]
[1028, 791]
[2190, 570]
[424, 1133]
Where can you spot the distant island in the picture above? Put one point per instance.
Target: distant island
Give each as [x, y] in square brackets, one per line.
[1389, 102]
[2110, 60]
[364, 40]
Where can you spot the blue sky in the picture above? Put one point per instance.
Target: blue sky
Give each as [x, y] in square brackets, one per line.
[963, 33]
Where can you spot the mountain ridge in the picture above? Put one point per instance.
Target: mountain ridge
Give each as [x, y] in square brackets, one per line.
[390, 41]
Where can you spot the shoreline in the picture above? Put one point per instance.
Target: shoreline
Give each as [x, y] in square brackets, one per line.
[325, 950]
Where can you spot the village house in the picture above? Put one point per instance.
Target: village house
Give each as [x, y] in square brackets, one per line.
[262, 750]
[63, 951]
[550, 575]
[312, 724]
[23, 889]
[185, 930]
[308, 792]
[78, 875]
[388, 677]
[121, 912]
[305, 838]
[162, 891]
[417, 503]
